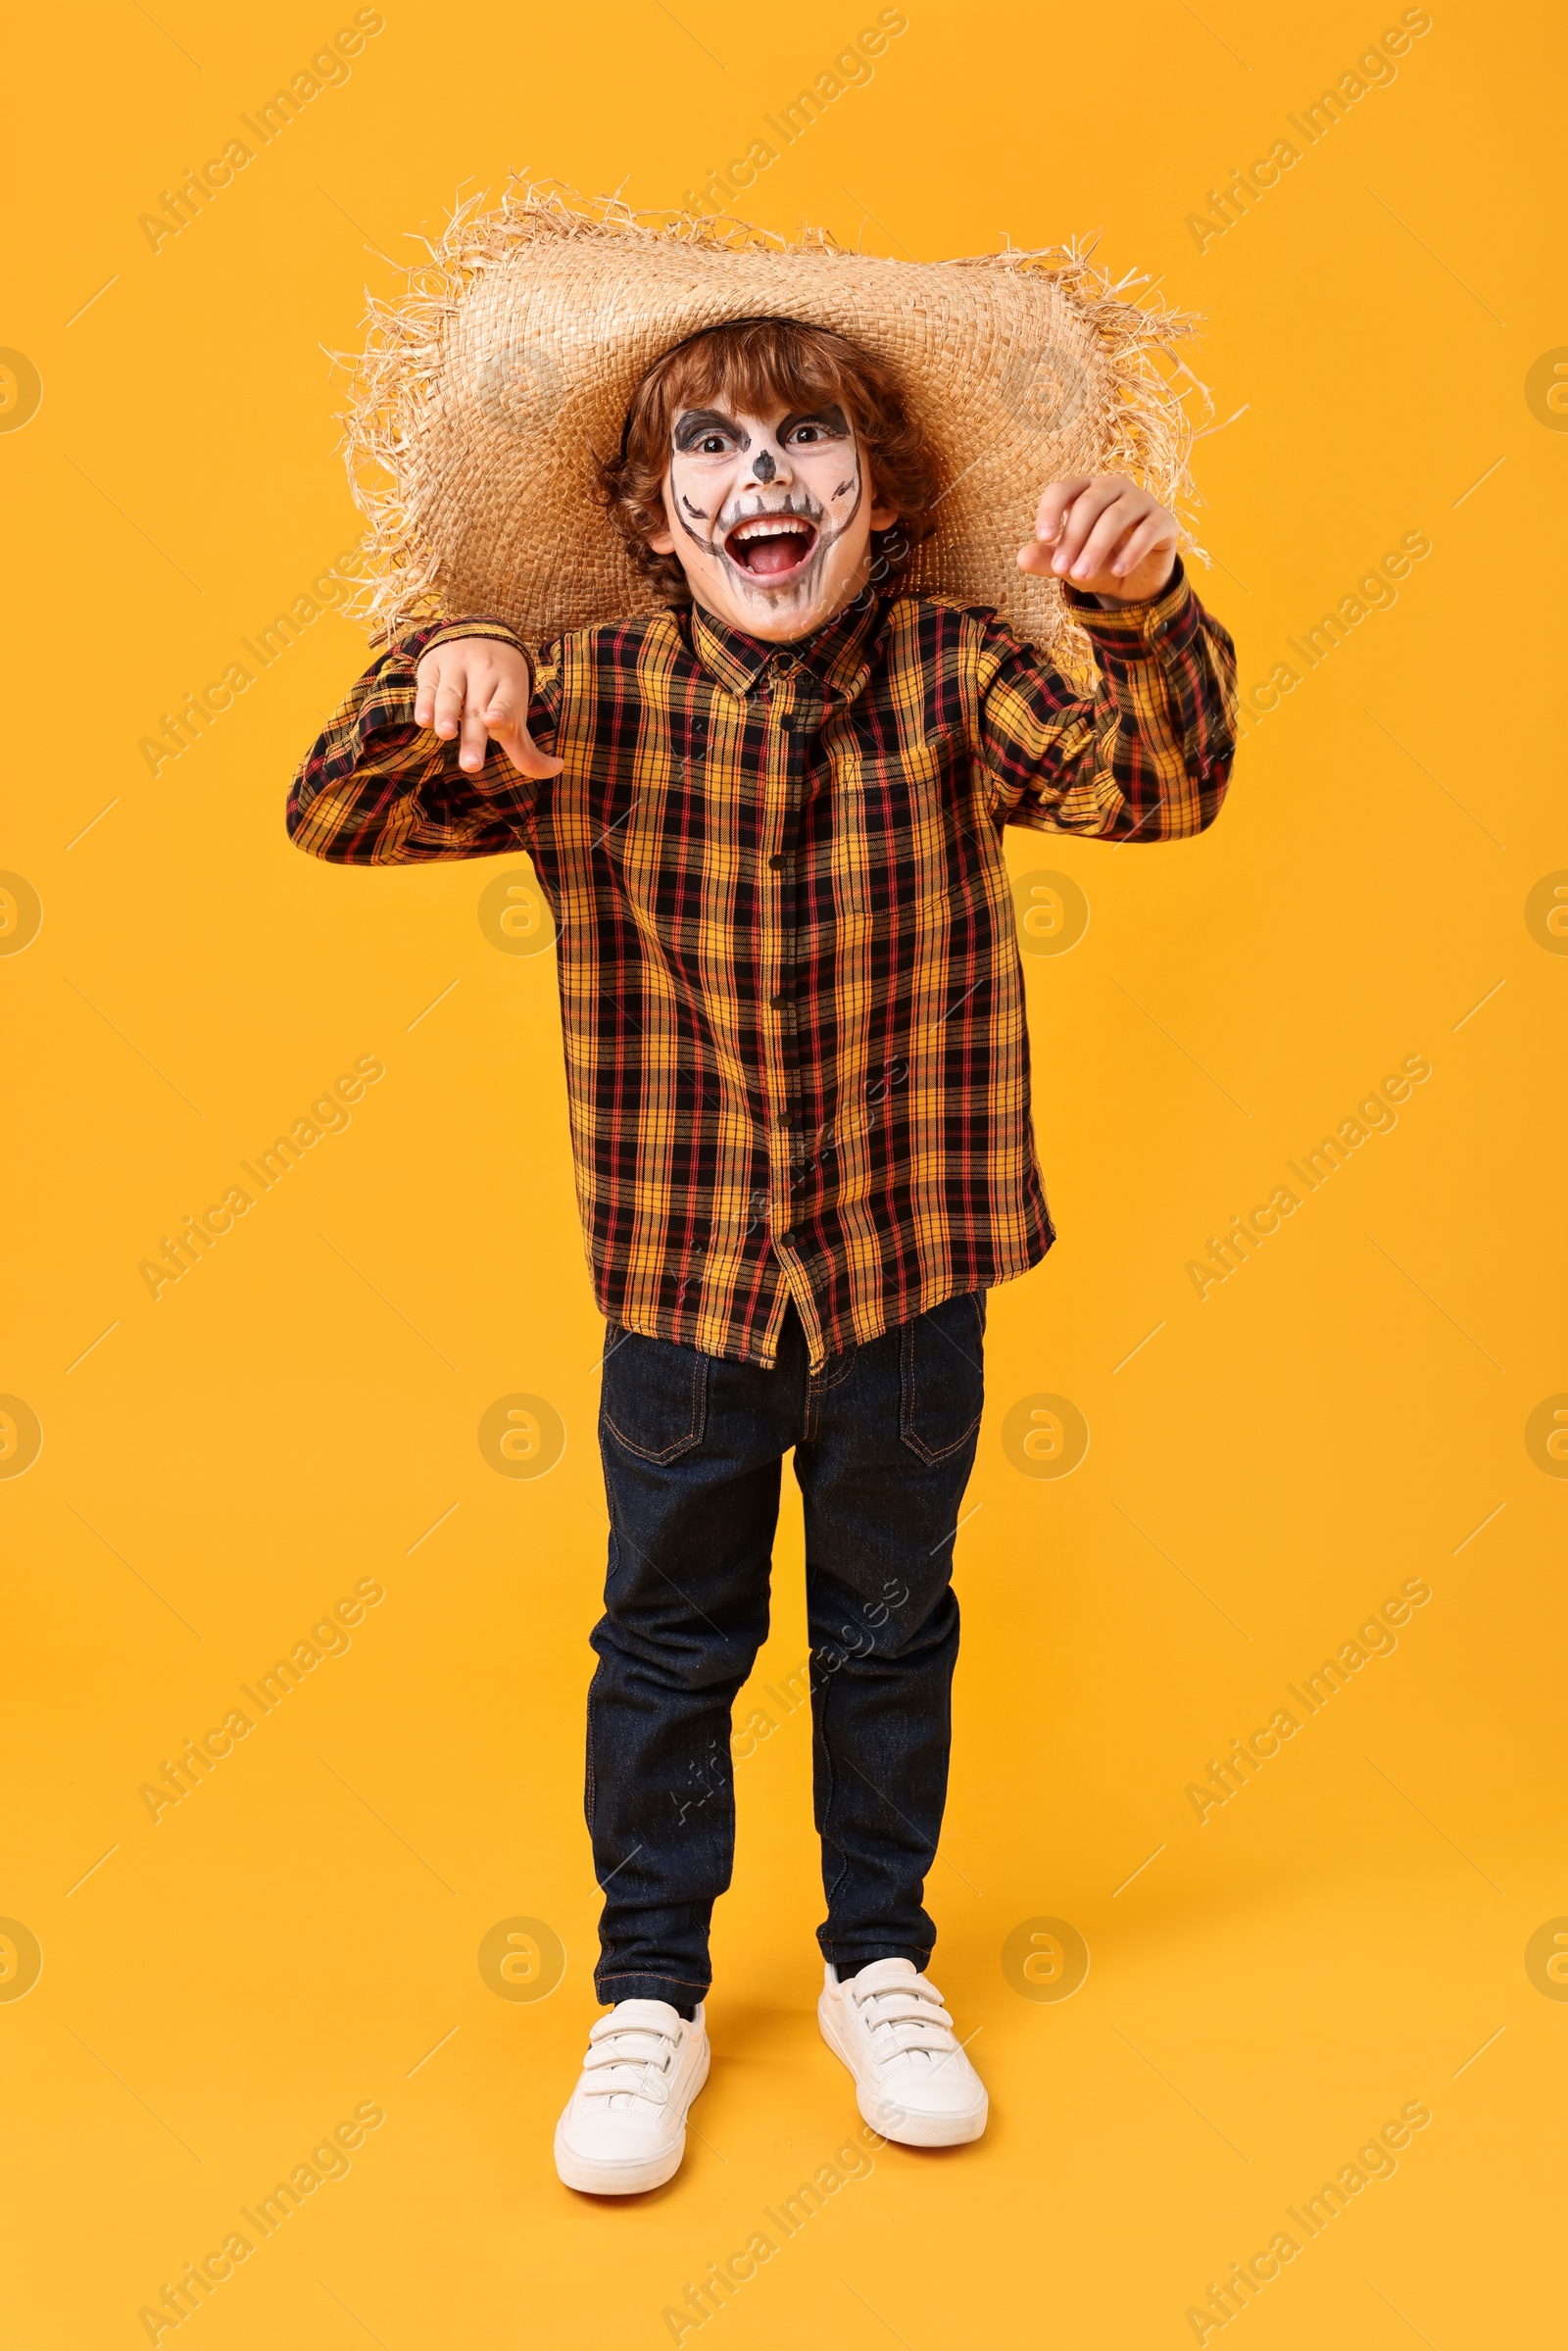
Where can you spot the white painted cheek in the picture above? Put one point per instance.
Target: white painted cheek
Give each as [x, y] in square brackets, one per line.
[684, 491]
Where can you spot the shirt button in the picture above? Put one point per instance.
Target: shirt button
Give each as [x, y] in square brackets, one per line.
[781, 1001]
[778, 861]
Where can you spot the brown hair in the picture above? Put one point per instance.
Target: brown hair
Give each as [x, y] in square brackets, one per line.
[758, 363]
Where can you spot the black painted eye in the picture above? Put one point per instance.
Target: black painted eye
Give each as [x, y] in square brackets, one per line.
[712, 444]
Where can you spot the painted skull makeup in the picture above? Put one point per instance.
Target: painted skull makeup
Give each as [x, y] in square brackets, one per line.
[772, 518]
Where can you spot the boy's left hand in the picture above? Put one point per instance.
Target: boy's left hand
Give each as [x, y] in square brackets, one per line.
[1105, 536]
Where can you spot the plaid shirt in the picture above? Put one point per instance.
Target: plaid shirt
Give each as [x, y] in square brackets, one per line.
[793, 1009]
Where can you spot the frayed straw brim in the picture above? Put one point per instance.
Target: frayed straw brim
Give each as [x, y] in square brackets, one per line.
[493, 383]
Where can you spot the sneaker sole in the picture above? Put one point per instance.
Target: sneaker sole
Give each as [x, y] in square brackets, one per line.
[896, 2122]
[628, 2179]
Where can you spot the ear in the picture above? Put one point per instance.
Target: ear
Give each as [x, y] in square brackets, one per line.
[883, 515]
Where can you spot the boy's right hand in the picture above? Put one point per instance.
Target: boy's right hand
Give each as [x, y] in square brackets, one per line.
[476, 688]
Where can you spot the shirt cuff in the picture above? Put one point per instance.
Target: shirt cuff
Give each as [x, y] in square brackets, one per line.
[1135, 632]
[444, 632]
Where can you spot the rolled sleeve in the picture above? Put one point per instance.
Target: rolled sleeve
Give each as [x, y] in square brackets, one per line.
[1146, 756]
[376, 789]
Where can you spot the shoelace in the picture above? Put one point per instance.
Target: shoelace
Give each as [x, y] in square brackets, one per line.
[629, 2061]
[905, 2020]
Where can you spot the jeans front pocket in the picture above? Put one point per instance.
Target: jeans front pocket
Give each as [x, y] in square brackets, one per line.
[655, 1396]
[942, 1376]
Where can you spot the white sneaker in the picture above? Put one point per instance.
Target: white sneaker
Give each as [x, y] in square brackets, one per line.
[912, 2080]
[624, 2127]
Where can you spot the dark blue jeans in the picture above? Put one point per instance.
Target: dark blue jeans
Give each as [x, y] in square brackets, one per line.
[884, 1437]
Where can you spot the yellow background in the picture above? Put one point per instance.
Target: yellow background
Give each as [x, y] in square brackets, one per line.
[293, 1940]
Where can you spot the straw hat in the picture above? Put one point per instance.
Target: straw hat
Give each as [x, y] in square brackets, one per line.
[491, 386]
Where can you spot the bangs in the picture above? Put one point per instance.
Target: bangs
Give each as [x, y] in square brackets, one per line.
[754, 365]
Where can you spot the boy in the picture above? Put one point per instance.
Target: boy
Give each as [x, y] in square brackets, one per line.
[768, 820]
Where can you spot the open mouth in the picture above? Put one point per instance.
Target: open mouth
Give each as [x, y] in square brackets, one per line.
[771, 546]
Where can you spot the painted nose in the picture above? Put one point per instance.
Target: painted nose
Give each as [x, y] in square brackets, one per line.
[765, 467]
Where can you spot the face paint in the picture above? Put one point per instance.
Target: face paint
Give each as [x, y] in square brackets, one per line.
[772, 518]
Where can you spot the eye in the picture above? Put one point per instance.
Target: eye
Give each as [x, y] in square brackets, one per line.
[808, 432]
[712, 444]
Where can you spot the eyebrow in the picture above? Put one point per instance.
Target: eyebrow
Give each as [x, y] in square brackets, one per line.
[831, 414]
[698, 421]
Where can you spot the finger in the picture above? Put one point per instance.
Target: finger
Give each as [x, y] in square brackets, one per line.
[1065, 554]
[525, 753]
[1110, 528]
[1114, 525]
[427, 680]
[1065, 495]
[1080, 519]
[506, 718]
[1054, 500]
[448, 712]
[476, 738]
[1149, 534]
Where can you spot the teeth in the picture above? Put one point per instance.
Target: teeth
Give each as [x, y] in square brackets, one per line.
[764, 527]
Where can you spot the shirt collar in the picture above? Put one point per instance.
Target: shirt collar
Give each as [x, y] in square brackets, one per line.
[837, 655]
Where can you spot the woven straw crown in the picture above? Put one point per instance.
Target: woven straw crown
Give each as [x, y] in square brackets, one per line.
[492, 386]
